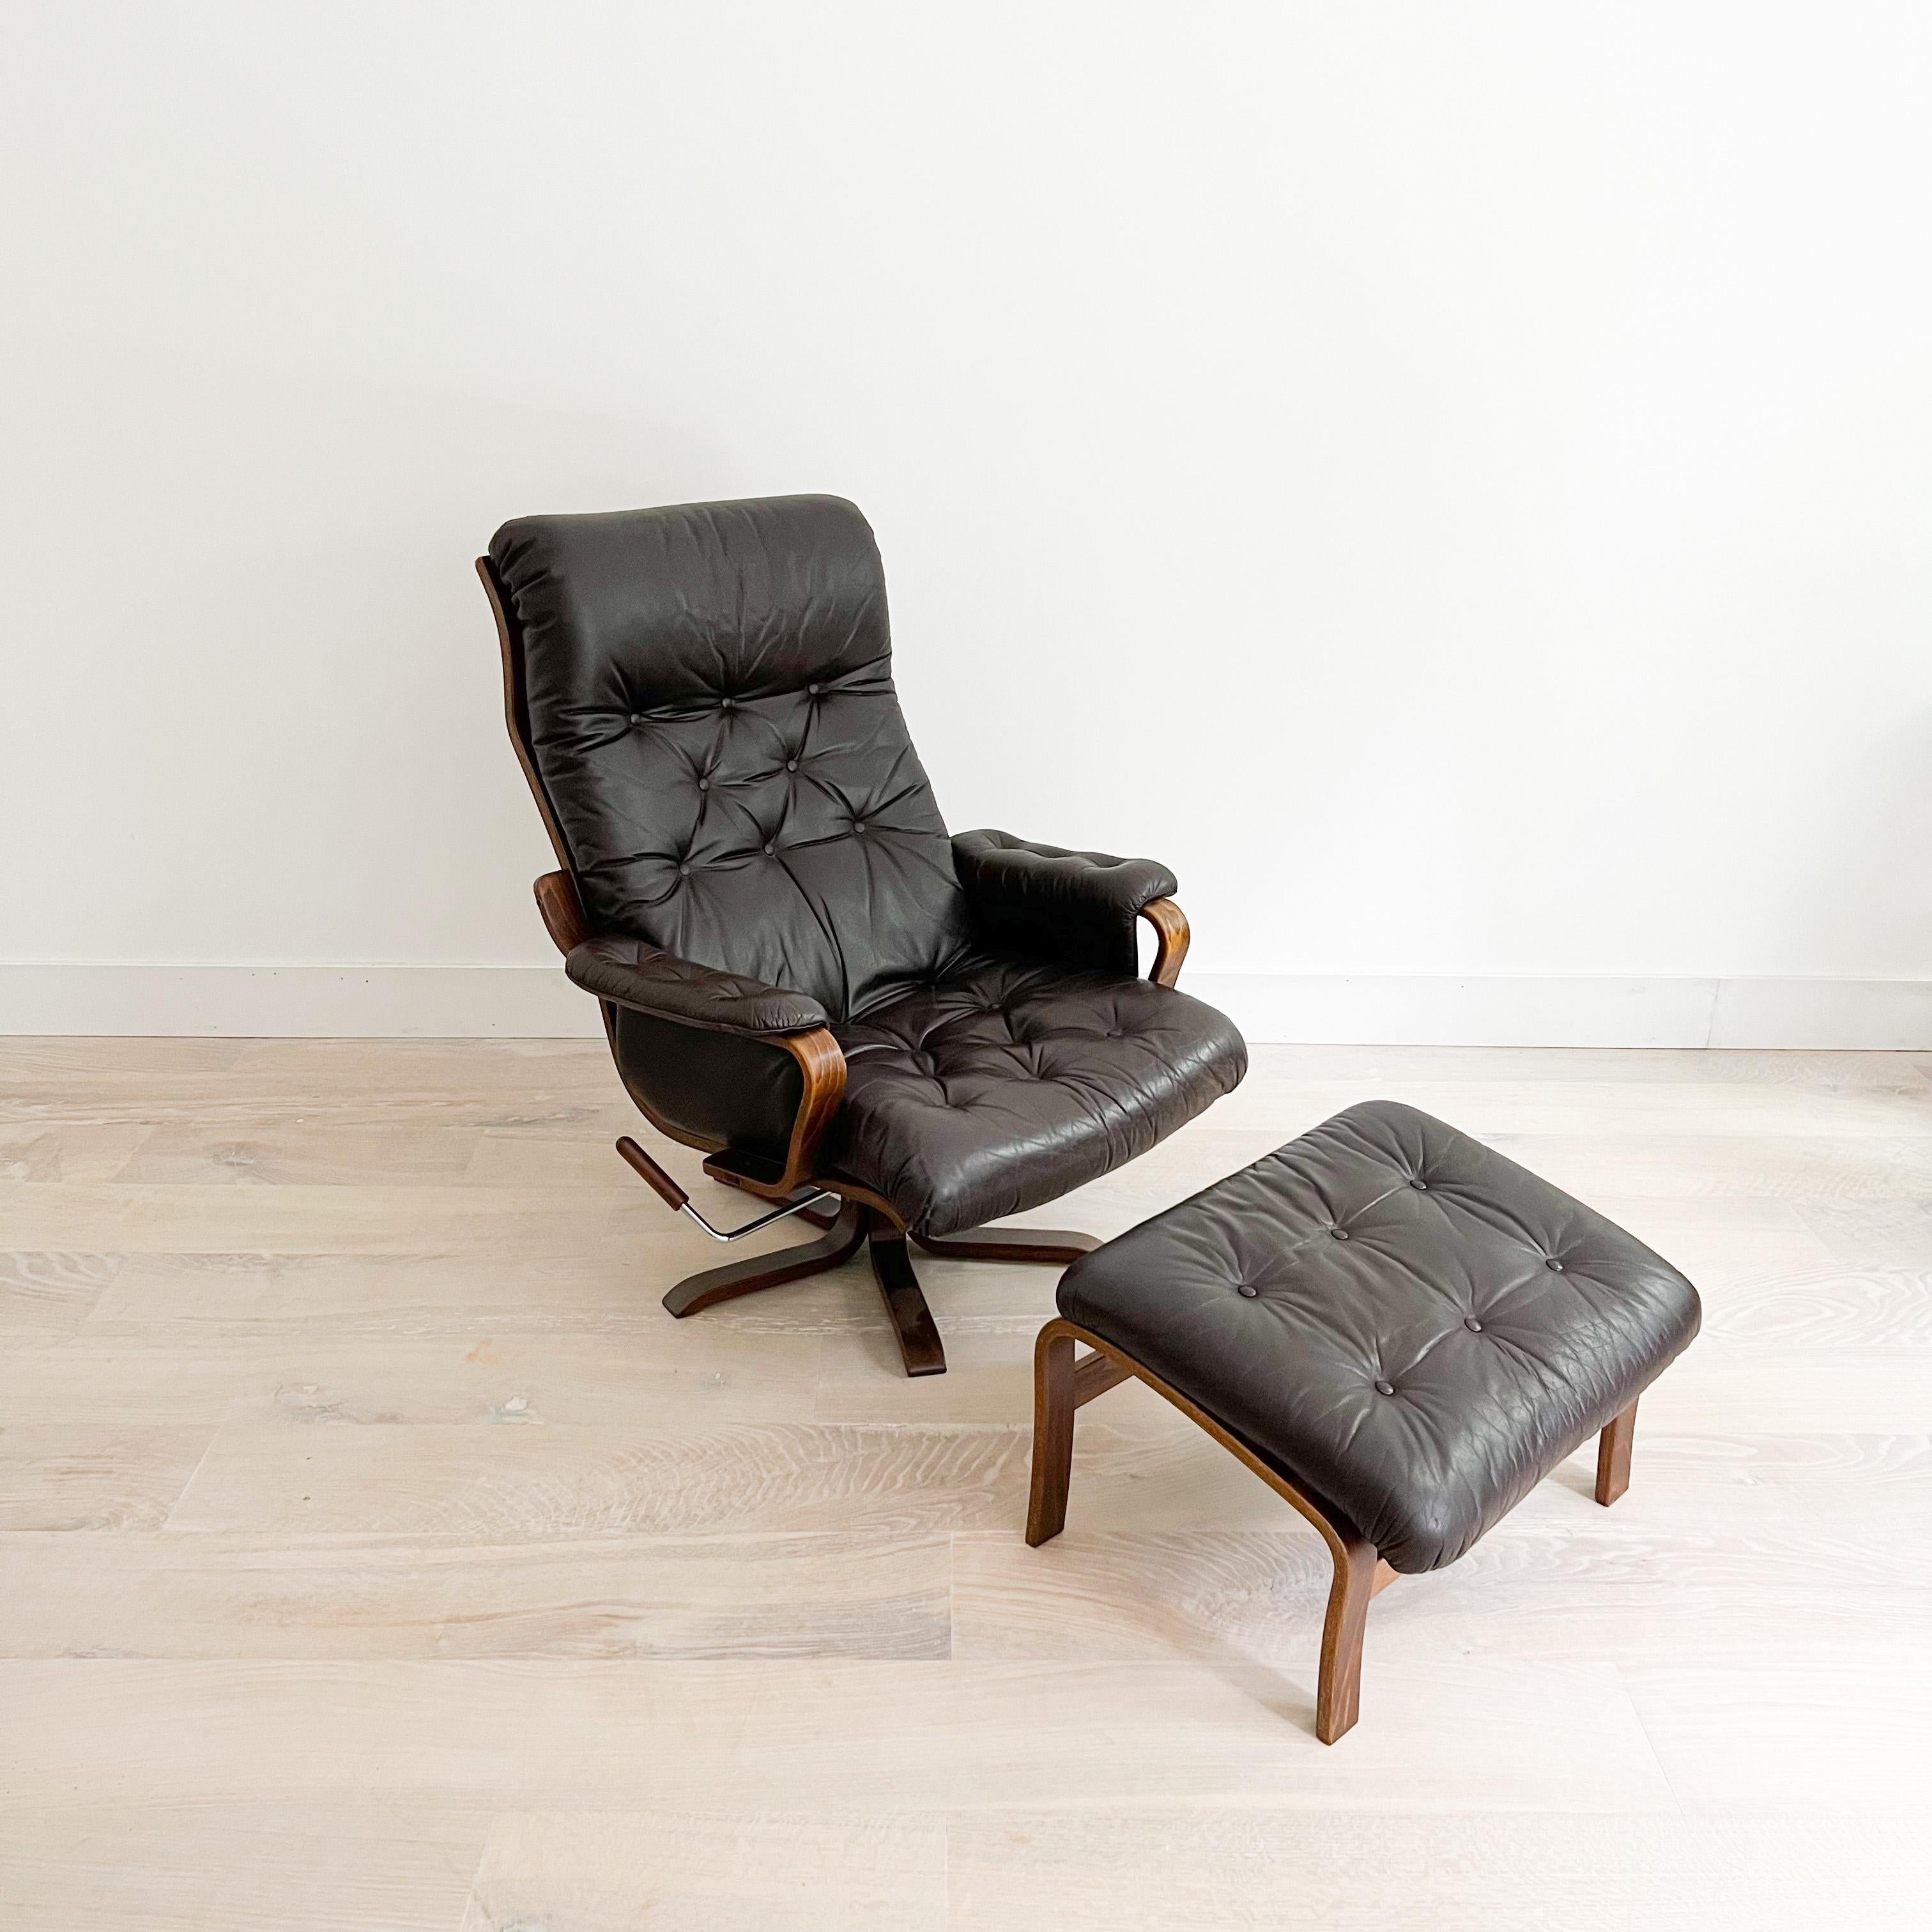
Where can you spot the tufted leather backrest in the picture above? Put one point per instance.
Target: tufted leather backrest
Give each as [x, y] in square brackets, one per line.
[712, 713]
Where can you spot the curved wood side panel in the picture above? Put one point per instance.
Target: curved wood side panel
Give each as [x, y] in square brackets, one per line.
[822, 1064]
[1170, 934]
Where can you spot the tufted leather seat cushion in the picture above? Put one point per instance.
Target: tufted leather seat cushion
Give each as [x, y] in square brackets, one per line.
[1408, 1327]
[1009, 1082]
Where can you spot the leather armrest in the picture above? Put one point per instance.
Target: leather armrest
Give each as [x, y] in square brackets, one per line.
[637, 974]
[1078, 908]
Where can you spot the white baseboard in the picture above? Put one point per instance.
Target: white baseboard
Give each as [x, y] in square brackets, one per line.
[538, 1003]
[297, 1002]
[1880, 1015]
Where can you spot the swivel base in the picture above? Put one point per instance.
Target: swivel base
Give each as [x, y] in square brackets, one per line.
[839, 1244]
[854, 1224]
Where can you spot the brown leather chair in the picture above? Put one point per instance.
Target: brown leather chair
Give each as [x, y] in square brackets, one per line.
[891, 1032]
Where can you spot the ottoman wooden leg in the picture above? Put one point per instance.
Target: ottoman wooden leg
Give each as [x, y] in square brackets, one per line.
[1338, 1694]
[1061, 1384]
[1613, 1454]
[1053, 1406]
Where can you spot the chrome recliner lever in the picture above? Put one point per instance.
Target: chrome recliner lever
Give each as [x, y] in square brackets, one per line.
[675, 1197]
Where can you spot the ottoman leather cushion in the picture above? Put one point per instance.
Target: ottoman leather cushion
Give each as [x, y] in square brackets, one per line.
[1407, 1326]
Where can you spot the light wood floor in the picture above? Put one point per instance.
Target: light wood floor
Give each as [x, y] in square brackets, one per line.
[375, 1553]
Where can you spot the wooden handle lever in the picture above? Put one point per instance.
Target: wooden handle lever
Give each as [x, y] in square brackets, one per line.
[662, 1184]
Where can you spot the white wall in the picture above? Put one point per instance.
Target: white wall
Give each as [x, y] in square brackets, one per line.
[1454, 480]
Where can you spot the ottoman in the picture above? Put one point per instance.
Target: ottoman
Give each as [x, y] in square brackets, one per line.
[1397, 1329]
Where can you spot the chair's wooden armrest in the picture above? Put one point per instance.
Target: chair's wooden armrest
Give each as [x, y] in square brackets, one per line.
[562, 910]
[1170, 934]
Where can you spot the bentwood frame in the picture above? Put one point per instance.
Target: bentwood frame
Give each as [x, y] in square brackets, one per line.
[1063, 1382]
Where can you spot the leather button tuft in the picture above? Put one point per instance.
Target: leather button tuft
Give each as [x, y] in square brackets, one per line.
[811, 691]
[1385, 1388]
[1420, 1186]
[1554, 1265]
[704, 784]
[636, 717]
[684, 871]
[858, 825]
[1249, 1289]
[1470, 1322]
[769, 848]
[791, 764]
[728, 704]
[1340, 1234]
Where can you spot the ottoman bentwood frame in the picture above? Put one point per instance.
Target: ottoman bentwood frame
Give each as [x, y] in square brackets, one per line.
[1062, 1383]
[1398, 1329]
